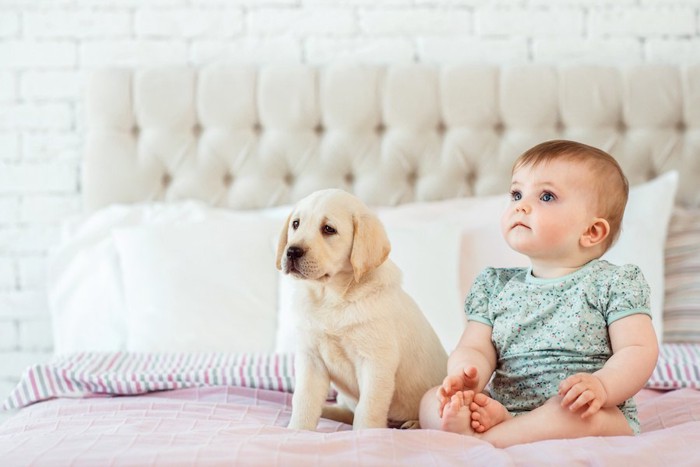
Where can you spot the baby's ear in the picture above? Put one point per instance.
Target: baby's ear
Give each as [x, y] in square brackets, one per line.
[596, 233]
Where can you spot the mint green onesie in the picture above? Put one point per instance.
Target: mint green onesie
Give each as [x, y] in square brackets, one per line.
[545, 330]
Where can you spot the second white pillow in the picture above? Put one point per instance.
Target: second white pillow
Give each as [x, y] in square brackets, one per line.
[207, 286]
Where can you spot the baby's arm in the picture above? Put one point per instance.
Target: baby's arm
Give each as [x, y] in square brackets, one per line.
[635, 351]
[471, 364]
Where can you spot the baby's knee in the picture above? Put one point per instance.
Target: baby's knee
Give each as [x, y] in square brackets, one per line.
[428, 413]
[430, 398]
[606, 421]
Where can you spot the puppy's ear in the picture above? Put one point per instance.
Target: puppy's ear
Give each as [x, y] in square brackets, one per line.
[370, 246]
[282, 242]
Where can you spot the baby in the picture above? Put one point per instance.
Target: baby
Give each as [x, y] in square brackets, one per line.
[569, 340]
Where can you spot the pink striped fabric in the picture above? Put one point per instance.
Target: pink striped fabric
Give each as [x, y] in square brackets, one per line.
[92, 374]
[682, 277]
[678, 367]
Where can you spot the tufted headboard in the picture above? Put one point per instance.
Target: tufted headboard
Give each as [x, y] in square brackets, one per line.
[250, 137]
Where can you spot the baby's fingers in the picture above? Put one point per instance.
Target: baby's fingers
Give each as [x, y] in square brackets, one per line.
[571, 395]
[441, 408]
[582, 400]
[471, 374]
[568, 383]
[448, 386]
[441, 393]
[593, 407]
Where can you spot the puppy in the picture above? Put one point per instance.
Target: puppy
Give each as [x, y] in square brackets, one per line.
[358, 329]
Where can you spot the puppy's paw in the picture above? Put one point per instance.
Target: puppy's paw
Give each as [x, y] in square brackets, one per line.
[410, 425]
[300, 423]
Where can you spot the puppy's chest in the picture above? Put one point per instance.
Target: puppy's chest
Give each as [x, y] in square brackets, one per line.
[341, 361]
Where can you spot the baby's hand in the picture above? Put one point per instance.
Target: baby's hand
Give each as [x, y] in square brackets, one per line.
[452, 384]
[580, 390]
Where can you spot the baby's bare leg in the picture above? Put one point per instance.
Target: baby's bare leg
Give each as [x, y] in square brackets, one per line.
[428, 414]
[551, 421]
[487, 413]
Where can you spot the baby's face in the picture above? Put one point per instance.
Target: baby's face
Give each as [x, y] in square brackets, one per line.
[552, 205]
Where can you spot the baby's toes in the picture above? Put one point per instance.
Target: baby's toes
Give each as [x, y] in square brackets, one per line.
[481, 399]
[478, 427]
[451, 408]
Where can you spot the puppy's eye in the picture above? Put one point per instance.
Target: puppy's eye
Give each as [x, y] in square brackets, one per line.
[328, 230]
[295, 224]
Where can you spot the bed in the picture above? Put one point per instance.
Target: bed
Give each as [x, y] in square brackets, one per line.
[172, 327]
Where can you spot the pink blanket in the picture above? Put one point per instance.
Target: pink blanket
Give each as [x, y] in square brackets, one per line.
[228, 425]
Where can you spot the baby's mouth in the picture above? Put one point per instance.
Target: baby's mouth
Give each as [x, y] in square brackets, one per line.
[520, 224]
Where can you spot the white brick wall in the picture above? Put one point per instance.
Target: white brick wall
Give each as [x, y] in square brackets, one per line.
[188, 23]
[48, 47]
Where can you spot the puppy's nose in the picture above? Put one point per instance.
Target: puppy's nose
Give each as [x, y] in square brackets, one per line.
[294, 252]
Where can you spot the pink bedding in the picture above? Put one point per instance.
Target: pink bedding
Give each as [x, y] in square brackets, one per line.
[225, 425]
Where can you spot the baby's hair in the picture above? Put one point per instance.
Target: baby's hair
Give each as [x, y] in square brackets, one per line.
[611, 185]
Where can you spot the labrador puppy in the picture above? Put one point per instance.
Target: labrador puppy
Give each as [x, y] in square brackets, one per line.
[358, 329]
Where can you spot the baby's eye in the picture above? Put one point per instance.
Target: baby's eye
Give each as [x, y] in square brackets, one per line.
[295, 224]
[516, 196]
[547, 197]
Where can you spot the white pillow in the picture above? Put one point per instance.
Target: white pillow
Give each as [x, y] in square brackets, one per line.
[428, 256]
[85, 296]
[478, 220]
[85, 289]
[205, 286]
[643, 237]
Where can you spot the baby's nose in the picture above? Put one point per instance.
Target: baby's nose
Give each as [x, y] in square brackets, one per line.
[522, 207]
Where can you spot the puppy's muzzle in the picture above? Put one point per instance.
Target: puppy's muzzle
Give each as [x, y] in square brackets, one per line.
[294, 252]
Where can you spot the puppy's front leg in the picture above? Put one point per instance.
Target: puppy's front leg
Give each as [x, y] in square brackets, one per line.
[376, 393]
[311, 383]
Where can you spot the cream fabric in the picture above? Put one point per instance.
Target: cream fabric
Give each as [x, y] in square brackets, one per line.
[251, 137]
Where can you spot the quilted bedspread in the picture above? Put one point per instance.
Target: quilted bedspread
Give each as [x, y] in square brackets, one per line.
[225, 425]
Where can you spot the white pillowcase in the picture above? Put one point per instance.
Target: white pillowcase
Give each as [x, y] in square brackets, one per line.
[643, 237]
[85, 294]
[206, 286]
[86, 285]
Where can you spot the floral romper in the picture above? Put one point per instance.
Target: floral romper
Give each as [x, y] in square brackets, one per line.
[545, 330]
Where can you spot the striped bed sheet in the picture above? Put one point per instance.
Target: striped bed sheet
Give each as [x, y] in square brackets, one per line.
[678, 367]
[681, 276]
[95, 374]
[91, 374]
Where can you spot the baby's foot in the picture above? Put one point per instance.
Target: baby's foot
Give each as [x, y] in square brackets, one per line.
[456, 416]
[486, 412]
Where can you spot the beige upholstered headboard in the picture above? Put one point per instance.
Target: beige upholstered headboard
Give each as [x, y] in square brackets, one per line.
[249, 137]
